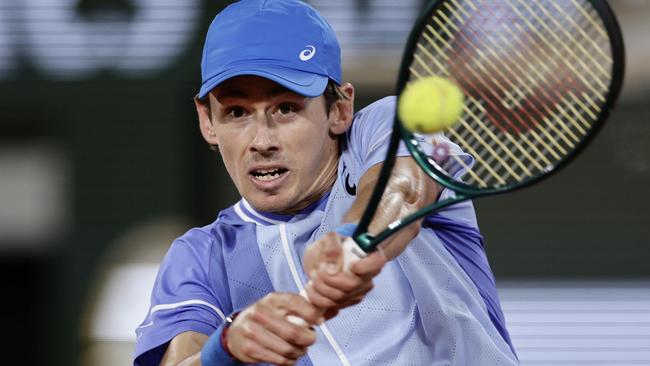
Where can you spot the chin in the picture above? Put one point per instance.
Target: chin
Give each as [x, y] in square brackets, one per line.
[268, 204]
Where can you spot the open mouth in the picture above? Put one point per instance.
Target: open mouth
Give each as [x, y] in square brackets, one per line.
[268, 174]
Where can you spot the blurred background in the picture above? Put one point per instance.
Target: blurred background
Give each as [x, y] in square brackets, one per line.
[102, 166]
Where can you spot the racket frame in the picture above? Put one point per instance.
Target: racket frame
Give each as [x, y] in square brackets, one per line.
[368, 242]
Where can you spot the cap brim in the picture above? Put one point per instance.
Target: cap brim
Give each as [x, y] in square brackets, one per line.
[301, 82]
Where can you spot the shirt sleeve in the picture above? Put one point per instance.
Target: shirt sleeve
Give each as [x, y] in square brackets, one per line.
[182, 299]
[370, 135]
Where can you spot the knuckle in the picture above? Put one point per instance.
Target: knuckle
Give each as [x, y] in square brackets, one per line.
[257, 315]
[248, 348]
[249, 332]
[351, 285]
[293, 333]
[294, 353]
[268, 299]
[305, 339]
[310, 338]
[324, 302]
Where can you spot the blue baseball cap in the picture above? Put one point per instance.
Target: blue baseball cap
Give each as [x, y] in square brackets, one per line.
[286, 41]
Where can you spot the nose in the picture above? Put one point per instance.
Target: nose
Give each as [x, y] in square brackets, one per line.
[264, 141]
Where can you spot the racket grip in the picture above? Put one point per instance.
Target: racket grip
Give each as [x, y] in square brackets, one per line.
[351, 253]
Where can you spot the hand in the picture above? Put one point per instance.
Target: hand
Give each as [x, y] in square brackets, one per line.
[262, 333]
[330, 288]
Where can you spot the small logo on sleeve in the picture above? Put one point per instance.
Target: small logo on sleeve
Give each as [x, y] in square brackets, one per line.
[307, 53]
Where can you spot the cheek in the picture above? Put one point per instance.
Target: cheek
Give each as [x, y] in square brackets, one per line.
[315, 148]
[229, 157]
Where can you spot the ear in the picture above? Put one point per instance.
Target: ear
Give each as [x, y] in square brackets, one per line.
[343, 111]
[205, 121]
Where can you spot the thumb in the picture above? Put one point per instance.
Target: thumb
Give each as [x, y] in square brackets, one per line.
[331, 258]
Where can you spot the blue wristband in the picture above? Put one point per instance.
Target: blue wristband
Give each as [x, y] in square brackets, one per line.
[345, 229]
[213, 352]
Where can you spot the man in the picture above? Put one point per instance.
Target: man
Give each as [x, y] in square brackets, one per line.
[273, 103]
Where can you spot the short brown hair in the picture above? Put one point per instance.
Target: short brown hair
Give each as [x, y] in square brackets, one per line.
[332, 94]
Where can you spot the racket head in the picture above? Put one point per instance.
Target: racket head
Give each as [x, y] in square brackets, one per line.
[529, 108]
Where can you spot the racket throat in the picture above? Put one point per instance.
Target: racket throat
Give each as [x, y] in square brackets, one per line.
[368, 242]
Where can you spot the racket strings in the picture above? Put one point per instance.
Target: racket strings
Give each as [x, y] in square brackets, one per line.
[568, 39]
[535, 75]
[563, 50]
[475, 74]
[469, 143]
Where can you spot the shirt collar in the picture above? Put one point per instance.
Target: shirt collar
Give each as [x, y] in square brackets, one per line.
[248, 213]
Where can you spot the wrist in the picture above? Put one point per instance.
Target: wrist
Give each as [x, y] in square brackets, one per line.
[215, 350]
[224, 334]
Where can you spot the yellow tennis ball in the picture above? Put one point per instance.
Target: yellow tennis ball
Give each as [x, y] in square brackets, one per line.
[430, 105]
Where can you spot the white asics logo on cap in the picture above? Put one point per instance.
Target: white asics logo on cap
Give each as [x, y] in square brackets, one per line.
[308, 53]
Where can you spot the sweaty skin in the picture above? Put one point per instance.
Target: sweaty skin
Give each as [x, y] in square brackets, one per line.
[281, 150]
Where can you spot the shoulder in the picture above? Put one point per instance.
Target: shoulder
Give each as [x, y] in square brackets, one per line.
[386, 104]
[205, 243]
[384, 107]
[367, 139]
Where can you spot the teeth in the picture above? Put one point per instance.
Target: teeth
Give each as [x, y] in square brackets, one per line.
[268, 174]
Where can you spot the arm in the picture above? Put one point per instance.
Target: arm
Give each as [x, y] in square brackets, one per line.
[184, 350]
[408, 190]
[260, 333]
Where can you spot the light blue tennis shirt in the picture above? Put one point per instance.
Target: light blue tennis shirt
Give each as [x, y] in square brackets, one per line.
[435, 304]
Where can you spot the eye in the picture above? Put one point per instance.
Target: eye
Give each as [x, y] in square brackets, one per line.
[286, 108]
[235, 112]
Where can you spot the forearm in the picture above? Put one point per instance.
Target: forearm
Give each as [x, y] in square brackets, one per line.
[184, 350]
[408, 190]
[193, 360]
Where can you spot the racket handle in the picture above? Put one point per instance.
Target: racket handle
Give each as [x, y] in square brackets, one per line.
[351, 253]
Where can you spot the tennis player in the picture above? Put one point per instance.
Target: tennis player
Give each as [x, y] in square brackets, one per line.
[273, 103]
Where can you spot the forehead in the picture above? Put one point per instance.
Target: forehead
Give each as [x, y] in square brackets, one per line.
[251, 87]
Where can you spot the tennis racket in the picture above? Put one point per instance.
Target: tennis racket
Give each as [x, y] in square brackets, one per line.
[539, 79]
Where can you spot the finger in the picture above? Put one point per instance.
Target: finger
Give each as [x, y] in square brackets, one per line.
[256, 354]
[353, 300]
[336, 291]
[369, 266]
[326, 249]
[318, 299]
[345, 281]
[330, 313]
[248, 350]
[295, 335]
[294, 304]
[278, 336]
[331, 253]
[331, 247]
